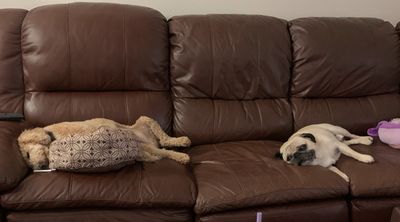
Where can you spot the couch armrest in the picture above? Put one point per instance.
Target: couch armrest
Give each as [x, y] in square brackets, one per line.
[12, 165]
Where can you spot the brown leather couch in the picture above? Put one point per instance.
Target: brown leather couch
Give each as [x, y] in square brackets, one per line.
[237, 85]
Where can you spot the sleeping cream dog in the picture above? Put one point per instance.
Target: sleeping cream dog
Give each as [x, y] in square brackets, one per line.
[35, 143]
[322, 144]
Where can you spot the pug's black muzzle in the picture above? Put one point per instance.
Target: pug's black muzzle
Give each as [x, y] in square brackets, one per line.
[301, 157]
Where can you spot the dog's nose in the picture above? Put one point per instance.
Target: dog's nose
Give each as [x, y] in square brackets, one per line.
[43, 165]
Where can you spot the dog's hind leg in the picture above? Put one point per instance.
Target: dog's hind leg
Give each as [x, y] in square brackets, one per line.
[346, 150]
[147, 157]
[164, 139]
[340, 173]
[366, 140]
[342, 133]
[170, 154]
[339, 131]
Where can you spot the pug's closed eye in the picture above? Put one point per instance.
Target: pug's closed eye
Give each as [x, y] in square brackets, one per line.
[28, 156]
[302, 148]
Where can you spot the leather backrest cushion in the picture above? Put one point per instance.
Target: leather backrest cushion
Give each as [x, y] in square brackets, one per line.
[44, 108]
[95, 47]
[346, 72]
[230, 77]
[355, 114]
[108, 59]
[11, 79]
[344, 57]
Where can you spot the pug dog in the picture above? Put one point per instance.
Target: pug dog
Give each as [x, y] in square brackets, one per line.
[322, 144]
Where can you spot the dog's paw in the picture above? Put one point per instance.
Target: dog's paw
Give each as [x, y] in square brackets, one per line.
[366, 140]
[345, 177]
[367, 159]
[183, 158]
[155, 158]
[183, 141]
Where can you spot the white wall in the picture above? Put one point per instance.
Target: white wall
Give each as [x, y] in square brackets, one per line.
[287, 9]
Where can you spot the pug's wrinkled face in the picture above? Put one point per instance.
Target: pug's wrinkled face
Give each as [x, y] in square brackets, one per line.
[300, 150]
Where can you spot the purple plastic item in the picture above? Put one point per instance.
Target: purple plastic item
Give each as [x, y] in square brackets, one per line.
[388, 132]
[259, 216]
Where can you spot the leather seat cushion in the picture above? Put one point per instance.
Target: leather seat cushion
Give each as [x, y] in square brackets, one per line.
[246, 174]
[161, 184]
[380, 179]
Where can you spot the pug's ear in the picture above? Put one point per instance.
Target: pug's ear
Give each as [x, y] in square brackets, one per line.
[308, 136]
[278, 155]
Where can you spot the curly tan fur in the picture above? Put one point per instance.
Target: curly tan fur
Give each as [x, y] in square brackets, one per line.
[34, 143]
